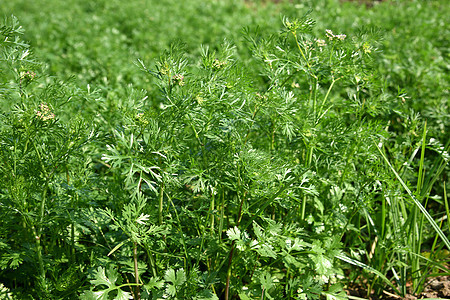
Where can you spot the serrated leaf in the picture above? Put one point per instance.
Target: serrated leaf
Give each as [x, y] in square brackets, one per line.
[206, 295]
[170, 275]
[155, 282]
[266, 251]
[180, 278]
[142, 219]
[177, 279]
[122, 295]
[243, 296]
[87, 295]
[101, 278]
[171, 290]
[101, 295]
[323, 264]
[10, 260]
[234, 233]
[266, 281]
[257, 230]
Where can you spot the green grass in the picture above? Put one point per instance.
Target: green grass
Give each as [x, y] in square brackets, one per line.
[222, 150]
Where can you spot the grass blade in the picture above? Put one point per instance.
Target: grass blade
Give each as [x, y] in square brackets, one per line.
[416, 202]
[368, 268]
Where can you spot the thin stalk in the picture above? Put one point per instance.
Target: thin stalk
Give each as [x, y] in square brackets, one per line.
[72, 223]
[308, 165]
[272, 142]
[230, 257]
[37, 230]
[299, 48]
[195, 132]
[302, 217]
[313, 96]
[383, 217]
[72, 241]
[137, 292]
[183, 243]
[37, 241]
[44, 191]
[419, 288]
[222, 214]
[418, 226]
[447, 211]
[253, 121]
[422, 157]
[152, 262]
[320, 115]
[160, 207]
[211, 212]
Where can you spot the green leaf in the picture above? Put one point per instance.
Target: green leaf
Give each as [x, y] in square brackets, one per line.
[266, 281]
[171, 290]
[116, 247]
[142, 219]
[154, 283]
[11, 260]
[323, 264]
[206, 295]
[234, 233]
[122, 295]
[266, 250]
[102, 279]
[176, 278]
[88, 295]
[101, 295]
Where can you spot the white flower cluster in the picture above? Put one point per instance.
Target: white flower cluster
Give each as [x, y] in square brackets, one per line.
[44, 113]
[178, 79]
[331, 36]
[321, 43]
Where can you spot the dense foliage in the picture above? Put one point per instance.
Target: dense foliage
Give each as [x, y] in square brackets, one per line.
[222, 150]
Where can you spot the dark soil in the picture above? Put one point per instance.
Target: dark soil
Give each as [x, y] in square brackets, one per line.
[437, 287]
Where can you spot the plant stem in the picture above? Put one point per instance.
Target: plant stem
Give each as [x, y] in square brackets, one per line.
[160, 207]
[301, 51]
[320, 115]
[152, 262]
[211, 212]
[230, 257]
[222, 214]
[136, 272]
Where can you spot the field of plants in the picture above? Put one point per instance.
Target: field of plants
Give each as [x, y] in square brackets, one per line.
[224, 149]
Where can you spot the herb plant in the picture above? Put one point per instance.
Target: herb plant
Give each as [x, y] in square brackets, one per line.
[279, 161]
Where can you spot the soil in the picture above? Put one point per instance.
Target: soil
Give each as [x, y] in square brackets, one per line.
[437, 287]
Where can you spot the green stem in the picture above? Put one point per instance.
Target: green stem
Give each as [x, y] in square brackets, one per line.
[447, 211]
[152, 262]
[320, 115]
[37, 241]
[160, 208]
[252, 122]
[37, 230]
[136, 272]
[222, 214]
[72, 241]
[303, 208]
[211, 212]
[301, 51]
[230, 257]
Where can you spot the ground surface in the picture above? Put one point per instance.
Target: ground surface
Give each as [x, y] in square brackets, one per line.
[438, 287]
